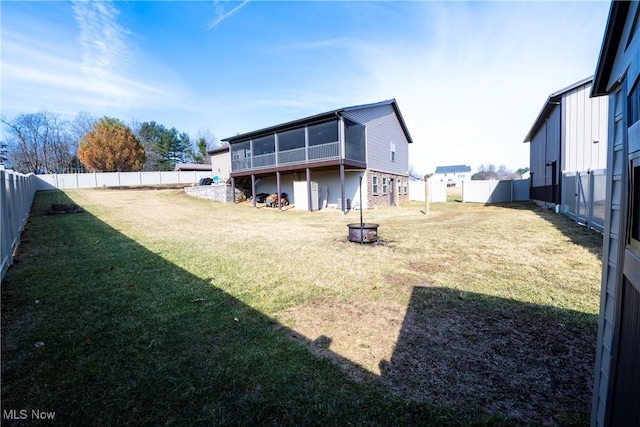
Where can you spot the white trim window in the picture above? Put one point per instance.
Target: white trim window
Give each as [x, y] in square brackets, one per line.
[384, 185]
[374, 184]
[392, 147]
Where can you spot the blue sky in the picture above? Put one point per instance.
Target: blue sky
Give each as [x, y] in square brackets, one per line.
[469, 77]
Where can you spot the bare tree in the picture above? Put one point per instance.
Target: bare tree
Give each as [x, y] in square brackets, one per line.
[39, 142]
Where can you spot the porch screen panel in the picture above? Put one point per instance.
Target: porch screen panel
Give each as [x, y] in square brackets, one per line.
[291, 146]
[241, 156]
[323, 140]
[354, 141]
[323, 133]
[264, 151]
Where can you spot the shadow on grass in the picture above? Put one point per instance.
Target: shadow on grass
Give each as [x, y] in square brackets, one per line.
[98, 330]
[102, 331]
[521, 360]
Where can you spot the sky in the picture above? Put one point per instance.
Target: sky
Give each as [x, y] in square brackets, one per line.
[469, 77]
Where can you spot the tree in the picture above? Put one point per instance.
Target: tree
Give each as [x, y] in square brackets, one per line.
[3, 152]
[414, 175]
[39, 143]
[111, 146]
[164, 147]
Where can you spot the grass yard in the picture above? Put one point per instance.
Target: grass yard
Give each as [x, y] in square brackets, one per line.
[154, 308]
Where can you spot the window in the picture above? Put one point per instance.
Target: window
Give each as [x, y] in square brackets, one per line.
[399, 187]
[384, 185]
[374, 184]
[634, 217]
[393, 151]
[634, 104]
[404, 182]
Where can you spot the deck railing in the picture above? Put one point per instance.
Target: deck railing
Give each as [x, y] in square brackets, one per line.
[298, 155]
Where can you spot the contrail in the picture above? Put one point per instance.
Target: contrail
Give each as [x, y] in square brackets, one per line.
[222, 16]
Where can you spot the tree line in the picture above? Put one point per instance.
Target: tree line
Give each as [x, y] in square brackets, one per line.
[42, 142]
[486, 172]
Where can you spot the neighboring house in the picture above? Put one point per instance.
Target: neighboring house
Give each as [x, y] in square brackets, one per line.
[333, 152]
[616, 395]
[220, 162]
[453, 176]
[191, 167]
[569, 135]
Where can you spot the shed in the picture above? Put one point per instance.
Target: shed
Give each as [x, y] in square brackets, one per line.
[616, 394]
[569, 135]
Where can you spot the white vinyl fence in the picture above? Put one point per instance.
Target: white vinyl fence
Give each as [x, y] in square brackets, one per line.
[118, 179]
[492, 191]
[584, 196]
[16, 197]
[437, 191]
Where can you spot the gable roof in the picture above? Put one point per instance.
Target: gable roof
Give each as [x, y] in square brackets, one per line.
[453, 169]
[608, 50]
[192, 167]
[216, 150]
[551, 103]
[320, 117]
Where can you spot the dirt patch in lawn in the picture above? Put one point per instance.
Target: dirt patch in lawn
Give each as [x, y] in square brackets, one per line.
[460, 349]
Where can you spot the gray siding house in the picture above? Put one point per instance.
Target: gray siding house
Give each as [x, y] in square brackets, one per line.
[616, 395]
[332, 152]
[569, 135]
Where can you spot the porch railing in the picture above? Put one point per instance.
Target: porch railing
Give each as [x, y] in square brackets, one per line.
[298, 155]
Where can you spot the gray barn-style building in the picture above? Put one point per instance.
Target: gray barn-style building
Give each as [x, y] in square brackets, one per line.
[569, 135]
[319, 161]
[616, 397]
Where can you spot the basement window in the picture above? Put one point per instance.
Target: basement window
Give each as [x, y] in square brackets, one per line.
[374, 185]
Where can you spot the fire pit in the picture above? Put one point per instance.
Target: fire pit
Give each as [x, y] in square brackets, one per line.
[363, 232]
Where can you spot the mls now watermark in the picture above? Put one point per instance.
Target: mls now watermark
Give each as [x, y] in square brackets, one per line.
[25, 414]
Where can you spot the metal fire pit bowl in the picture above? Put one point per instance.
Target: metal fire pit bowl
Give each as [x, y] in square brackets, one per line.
[363, 233]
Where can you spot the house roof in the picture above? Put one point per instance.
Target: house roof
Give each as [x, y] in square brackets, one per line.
[221, 149]
[612, 37]
[453, 169]
[551, 103]
[320, 117]
[192, 167]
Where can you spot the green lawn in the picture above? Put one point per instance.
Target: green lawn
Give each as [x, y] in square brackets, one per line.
[153, 308]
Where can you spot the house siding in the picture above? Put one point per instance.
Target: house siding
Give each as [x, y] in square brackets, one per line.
[382, 128]
[617, 372]
[585, 121]
[545, 148]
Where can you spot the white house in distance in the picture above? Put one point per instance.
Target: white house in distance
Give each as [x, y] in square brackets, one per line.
[326, 158]
[569, 135]
[453, 176]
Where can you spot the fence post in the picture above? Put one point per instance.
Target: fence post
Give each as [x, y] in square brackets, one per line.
[590, 205]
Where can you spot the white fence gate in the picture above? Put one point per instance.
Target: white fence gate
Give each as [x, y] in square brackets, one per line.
[437, 191]
[16, 196]
[584, 196]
